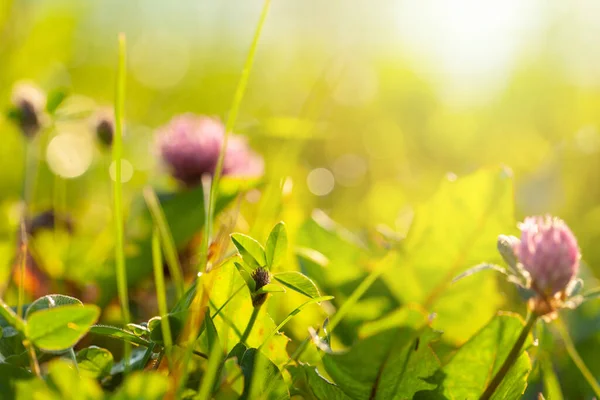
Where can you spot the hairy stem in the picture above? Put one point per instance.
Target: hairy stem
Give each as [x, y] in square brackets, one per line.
[514, 354]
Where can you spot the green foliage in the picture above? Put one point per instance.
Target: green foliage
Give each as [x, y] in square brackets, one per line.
[474, 364]
[94, 362]
[59, 328]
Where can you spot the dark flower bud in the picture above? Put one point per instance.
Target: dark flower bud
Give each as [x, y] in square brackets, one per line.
[28, 104]
[104, 126]
[261, 277]
[48, 220]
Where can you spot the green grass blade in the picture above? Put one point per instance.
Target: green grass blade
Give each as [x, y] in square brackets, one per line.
[166, 238]
[161, 294]
[229, 125]
[117, 153]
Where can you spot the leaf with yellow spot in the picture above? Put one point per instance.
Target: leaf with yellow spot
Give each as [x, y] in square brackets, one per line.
[59, 328]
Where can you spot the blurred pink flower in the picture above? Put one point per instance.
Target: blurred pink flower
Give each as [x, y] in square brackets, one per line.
[190, 144]
[29, 103]
[548, 251]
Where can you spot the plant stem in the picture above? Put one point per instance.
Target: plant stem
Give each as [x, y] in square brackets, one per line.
[229, 125]
[574, 354]
[250, 325]
[22, 264]
[161, 295]
[166, 238]
[117, 148]
[74, 359]
[514, 354]
[35, 366]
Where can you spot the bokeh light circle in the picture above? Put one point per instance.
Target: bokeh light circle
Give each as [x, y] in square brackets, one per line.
[69, 155]
[320, 181]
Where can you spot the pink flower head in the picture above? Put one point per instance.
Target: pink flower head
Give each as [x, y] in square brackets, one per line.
[190, 145]
[548, 251]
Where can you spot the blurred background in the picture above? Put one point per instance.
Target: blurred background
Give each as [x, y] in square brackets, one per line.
[364, 107]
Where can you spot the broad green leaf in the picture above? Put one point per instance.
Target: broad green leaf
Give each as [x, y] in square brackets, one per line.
[62, 383]
[271, 288]
[251, 251]
[321, 387]
[298, 282]
[261, 377]
[454, 230]
[276, 246]
[118, 333]
[94, 362]
[394, 364]
[51, 301]
[9, 376]
[147, 385]
[472, 367]
[62, 327]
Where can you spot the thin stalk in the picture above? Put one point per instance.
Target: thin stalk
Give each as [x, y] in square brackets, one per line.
[23, 248]
[161, 294]
[74, 359]
[229, 125]
[250, 325]
[168, 244]
[514, 354]
[577, 360]
[117, 152]
[35, 365]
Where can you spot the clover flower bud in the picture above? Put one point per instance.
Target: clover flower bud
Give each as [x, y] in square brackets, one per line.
[548, 251]
[261, 277]
[28, 103]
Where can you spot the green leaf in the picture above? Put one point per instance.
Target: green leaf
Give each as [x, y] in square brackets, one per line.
[394, 364]
[156, 334]
[452, 231]
[9, 376]
[321, 387]
[51, 301]
[396, 361]
[147, 385]
[293, 313]
[261, 377]
[94, 362]
[276, 246]
[62, 383]
[270, 288]
[246, 275]
[118, 333]
[298, 282]
[251, 251]
[55, 99]
[137, 361]
[59, 328]
[469, 371]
